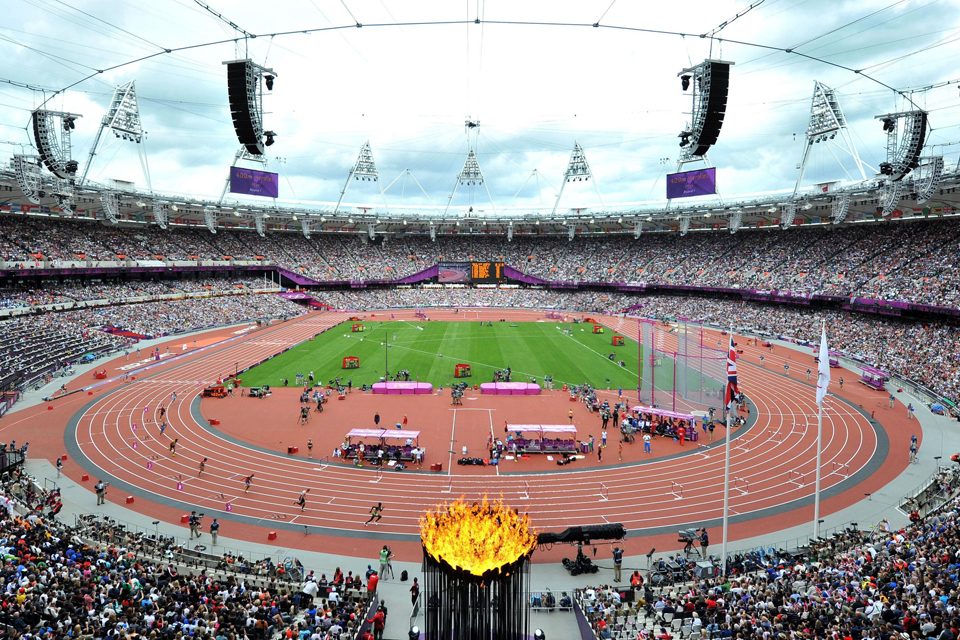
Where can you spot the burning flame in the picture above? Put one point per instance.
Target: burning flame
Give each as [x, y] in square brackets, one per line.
[477, 537]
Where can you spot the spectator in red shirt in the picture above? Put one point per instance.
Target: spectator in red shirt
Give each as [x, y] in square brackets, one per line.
[379, 621]
[372, 584]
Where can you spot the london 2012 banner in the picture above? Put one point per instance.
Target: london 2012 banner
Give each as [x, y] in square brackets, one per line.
[254, 183]
[692, 183]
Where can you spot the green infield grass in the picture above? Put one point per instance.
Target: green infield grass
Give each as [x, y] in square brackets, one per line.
[431, 350]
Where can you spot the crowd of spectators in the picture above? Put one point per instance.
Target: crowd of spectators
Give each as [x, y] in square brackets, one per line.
[77, 291]
[911, 260]
[99, 581]
[883, 585]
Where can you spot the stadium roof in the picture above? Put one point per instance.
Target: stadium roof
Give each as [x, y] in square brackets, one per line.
[519, 85]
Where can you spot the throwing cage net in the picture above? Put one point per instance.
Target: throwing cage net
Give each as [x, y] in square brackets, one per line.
[677, 370]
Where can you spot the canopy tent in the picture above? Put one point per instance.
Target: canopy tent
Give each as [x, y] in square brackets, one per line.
[551, 436]
[543, 428]
[874, 378]
[690, 417]
[385, 434]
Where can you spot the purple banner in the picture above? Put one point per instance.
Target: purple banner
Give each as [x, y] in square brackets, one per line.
[702, 182]
[254, 183]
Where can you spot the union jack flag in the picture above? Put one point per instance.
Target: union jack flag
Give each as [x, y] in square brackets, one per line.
[732, 389]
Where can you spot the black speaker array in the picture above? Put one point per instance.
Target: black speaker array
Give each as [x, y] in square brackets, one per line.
[716, 107]
[242, 83]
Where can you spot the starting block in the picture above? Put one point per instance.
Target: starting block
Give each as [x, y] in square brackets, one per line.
[797, 478]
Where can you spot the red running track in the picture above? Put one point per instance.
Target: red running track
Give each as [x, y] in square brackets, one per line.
[773, 463]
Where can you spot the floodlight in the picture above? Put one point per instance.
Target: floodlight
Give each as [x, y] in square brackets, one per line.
[685, 81]
[539, 635]
[269, 135]
[414, 633]
[269, 80]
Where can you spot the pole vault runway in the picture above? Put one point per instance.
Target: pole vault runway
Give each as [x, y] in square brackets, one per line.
[116, 436]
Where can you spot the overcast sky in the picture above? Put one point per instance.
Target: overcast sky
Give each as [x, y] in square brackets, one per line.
[534, 89]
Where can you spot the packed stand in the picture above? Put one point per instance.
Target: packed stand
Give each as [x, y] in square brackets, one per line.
[98, 580]
[33, 346]
[881, 584]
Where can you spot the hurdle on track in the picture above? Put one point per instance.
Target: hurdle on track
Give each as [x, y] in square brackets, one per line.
[526, 491]
[744, 445]
[604, 492]
[797, 478]
[842, 468]
[379, 475]
[703, 450]
[741, 484]
[777, 436]
[449, 488]
[798, 428]
[324, 462]
[676, 489]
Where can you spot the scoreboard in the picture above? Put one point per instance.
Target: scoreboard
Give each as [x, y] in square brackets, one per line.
[486, 272]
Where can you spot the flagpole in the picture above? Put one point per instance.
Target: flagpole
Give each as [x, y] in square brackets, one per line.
[825, 380]
[816, 490]
[726, 473]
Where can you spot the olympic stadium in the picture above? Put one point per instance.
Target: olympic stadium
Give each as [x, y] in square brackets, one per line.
[596, 320]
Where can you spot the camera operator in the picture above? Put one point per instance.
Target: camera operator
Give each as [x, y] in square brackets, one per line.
[194, 523]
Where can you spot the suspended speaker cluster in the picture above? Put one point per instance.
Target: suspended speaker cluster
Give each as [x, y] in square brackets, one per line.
[29, 180]
[708, 83]
[210, 219]
[839, 208]
[787, 214]
[928, 178]
[111, 205]
[684, 225]
[245, 80]
[160, 214]
[305, 227]
[890, 194]
[51, 134]
[736, 220]
[903, 151]
[258, 223]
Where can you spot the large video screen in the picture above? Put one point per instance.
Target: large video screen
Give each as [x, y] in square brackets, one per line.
[454, 272]
[251, 182]
[486, 272]
[702, 182]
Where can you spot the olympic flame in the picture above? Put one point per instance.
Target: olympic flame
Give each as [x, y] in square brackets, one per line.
[477, 537]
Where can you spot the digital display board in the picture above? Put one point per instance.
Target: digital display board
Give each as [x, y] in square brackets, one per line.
[251, 182]
[454, 272]
[702, 182]
[486, 272]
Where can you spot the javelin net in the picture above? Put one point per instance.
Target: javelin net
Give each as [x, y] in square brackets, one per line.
[679, 370]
